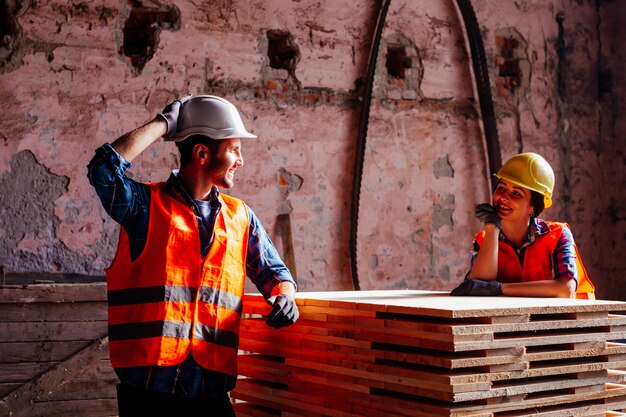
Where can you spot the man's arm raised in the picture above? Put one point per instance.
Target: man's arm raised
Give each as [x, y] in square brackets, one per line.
[165, 125]
[136, 141]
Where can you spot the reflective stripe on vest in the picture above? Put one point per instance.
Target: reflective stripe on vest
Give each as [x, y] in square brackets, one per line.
[538, 261]
[169, 302]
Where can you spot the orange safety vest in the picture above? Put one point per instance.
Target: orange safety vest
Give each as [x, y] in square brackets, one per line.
[169, 302]
[538, 261]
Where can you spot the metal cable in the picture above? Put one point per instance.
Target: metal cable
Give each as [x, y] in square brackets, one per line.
[361, 138]
[481, 79]
[483, 89]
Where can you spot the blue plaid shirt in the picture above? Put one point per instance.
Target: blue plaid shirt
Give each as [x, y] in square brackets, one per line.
[563, 258]
[128, 202]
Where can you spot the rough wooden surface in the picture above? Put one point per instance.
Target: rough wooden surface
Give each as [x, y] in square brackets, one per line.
[53, 293]
[53, 340]
[20, 401]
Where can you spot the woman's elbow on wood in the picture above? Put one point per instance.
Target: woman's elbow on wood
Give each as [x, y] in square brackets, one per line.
[567, 288]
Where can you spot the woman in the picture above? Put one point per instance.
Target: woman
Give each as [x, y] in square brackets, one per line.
[518, 254]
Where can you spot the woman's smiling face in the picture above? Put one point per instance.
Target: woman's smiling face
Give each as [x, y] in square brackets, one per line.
[512, 202]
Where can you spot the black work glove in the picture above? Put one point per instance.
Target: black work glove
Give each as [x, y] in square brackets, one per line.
[284, 311]
[487, 214]
[170, 114]
[478, 287]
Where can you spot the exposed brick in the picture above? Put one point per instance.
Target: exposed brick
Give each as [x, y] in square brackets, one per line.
[405, 104]
[396, 82]
[503, 92]
[271, 85]
[310, 97]
[141, 32]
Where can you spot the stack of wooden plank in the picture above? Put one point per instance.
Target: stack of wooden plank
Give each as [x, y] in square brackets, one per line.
[54, 351]
[425, 354]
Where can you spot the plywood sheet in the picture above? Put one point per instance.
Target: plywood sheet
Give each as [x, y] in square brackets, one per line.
[440, 304]
[420, 353]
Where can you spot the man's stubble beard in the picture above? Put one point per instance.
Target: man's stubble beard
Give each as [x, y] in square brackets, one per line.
[221, 167]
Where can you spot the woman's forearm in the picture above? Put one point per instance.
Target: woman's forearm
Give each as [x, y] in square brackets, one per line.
[561, 288]
[486, 262]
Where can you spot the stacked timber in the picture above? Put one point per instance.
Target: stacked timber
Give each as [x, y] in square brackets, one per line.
[54, 351]
[425, 354]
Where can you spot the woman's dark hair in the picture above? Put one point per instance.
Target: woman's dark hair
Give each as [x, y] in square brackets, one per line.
[536, 200]
[185, 147]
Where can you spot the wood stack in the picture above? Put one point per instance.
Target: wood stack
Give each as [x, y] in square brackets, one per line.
[425, 354]
[54, 351]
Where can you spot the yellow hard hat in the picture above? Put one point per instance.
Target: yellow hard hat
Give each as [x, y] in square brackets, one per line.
[530, 170]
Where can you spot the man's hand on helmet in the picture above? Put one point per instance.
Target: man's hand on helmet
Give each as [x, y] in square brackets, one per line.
[170, 114]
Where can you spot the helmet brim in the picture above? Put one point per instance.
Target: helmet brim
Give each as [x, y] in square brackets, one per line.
[547, 200]
[211, 134]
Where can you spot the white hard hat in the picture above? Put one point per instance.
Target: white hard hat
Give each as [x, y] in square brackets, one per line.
[211, 116]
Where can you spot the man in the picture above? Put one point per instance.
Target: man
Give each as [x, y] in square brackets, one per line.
[176, 284]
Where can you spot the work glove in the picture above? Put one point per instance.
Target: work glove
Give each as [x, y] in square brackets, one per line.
[170, 114]
[284, 311]
[487, 214]
[478, 287]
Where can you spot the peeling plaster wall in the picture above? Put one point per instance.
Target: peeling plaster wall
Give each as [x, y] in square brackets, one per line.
[67, 87]
[607, 222]
[564, 116]
[424, 150]
[68, 83]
